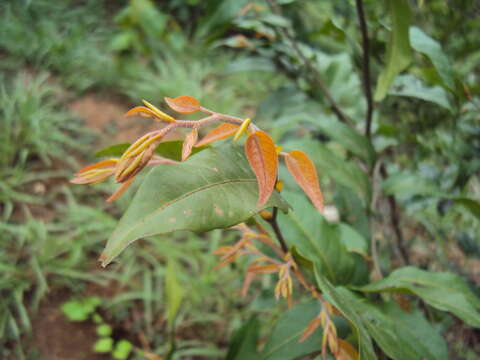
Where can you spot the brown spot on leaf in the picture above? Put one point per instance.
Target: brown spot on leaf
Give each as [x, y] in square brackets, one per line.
[218, 210]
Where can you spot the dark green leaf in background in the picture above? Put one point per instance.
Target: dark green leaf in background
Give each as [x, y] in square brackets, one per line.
[243, 345]
[399, 53]
[332, 248]
[424, 44]
[410, 86]
[346, 305]
[442, 290]
[283, 344]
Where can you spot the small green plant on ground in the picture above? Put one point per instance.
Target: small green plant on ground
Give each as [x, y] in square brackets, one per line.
[86, 310]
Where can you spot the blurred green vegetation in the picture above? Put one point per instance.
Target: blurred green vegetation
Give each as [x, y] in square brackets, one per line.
[230, 55]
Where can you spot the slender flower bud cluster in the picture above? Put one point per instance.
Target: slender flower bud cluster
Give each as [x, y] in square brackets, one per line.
[95, 173]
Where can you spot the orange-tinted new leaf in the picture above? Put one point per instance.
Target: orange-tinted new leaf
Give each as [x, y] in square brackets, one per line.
[304, 172]
[119, 192]
[141, 111]
[346, 351]
[263, 269]
[310, 329]
[190, 140]
[183, 104]
[219, 133]
[262, 156]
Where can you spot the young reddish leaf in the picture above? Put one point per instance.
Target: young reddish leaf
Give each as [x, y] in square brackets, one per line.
[304, 172]
[183, 104]
[263, 269]
[310, 329]
[219, 133]
[119, 192]
[262, 156]
[141, 111]
[190, 140]
[158, 113]
[346, 351]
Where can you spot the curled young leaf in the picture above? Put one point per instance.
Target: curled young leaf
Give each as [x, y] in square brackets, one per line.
[305, 175]
[219, 133]
[159, 113]
[262, 156]
[183, 104]
[190, 140]
[242, 129]
[141, 111]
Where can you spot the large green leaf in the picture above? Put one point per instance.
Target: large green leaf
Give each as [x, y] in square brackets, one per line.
[413, 326]
[399, 53]
[347, 306]
[243, 345]
[410, 86]
[402, 336]
[332, 248]
[444, 291]
[283, 344]
[424, 44]
[328, 163]
[215, 189]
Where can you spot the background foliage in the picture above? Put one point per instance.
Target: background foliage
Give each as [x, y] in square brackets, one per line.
[407, 195]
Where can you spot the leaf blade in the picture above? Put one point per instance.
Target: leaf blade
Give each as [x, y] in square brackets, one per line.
[183, 104]
[262, 156]
[303, 171]
[187, 205]
[221, 132]
[399, 52]
[190, 140]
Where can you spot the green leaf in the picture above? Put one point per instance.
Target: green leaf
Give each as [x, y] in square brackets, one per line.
[243, 345]
[215, 189]
[349, 138]
[442, 290]
[320, 242]
[399, 53]
[113, 150]
[346, 305]
[471, 205]
[168, 149]
[424, 44]
[122, 350]
[283, 344]
[103, 345]
[415, 327]
[410, 86]
[328, 163]
[407, 184]
[399, 334]
[353, 241]
[104, 330]
[174, 293]
[80, 310]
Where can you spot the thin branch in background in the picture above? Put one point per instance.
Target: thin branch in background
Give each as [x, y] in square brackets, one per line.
[274, 224]
[285, 32]
[395, 221]
[366, 68]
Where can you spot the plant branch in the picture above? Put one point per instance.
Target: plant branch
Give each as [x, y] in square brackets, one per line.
[278, 233]
[342, 116]
[366, 68]
[395, 221]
